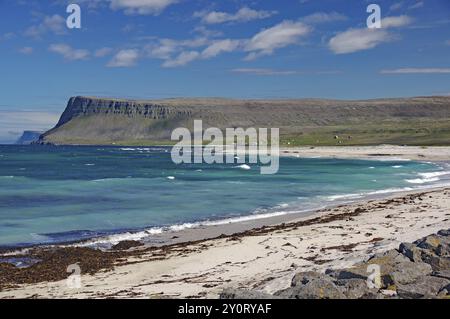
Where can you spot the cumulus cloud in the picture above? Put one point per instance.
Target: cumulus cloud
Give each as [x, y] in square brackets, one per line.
[165, 48]
[395, 22]
[244, 14]
[182, 59]
[323, 17]
[221, 46]
[68, 52]
[55, 24]
[124, 58]
[142, 7]
[281, 35]
[417, 71]
[354, 40]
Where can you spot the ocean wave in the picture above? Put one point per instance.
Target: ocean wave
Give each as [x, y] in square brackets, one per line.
[344, 196]
[428, 177]
[244, 166]
[422, 180]
[434, 174]
[365, 194]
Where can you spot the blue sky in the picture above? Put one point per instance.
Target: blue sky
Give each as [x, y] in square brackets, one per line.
[239, 49]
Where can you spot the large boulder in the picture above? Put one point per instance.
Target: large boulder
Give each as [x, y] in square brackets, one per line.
[357, 289]
[424, 287]
[395, 268]
[312, 285]
[438, 244]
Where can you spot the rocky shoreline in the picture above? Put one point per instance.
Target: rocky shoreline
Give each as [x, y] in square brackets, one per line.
[414, 270]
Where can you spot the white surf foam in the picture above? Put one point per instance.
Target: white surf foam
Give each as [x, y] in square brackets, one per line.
[244, 166]
[422, 180]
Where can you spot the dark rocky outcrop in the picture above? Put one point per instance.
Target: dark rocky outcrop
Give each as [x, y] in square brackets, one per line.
[417, 270]
[29, 137]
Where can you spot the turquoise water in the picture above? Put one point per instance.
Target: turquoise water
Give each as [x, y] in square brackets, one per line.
[59, 194]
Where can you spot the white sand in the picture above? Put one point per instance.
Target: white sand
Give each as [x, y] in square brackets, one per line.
[428, 153]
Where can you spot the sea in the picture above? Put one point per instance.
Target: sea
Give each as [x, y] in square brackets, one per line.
[62, 194]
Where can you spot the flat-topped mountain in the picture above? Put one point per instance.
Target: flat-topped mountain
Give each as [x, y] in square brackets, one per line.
[420, 120]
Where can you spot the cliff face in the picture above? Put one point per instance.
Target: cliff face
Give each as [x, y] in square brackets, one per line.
[82, 106]
[29, 137]
[90, 120]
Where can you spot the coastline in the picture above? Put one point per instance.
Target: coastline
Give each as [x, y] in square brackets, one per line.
[376, 152]
[264, 258]
[261, 253]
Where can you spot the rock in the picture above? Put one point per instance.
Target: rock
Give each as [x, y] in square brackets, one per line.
[442, 274]
[411, 251]
[439, 245]
[356, 289]
[409, 272]
[304, 278]
[231, 293]
[437, 263]
[424, 287]
[311, 285]
[444, 232]
[127, 244]
[395, 268]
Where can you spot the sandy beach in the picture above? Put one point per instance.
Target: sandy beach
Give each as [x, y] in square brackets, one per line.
[263, 255]
[417, 153]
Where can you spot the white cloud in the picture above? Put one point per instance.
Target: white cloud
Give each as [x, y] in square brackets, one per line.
[417, 5]
[323, 17]
[182, 59]
[244, 14]
[55, 24]
[68, 52]
[417, 71]
[165, 48]
[395, 22]
[258, 71]
[102, 52]
[221, 46]
[401, 4]
[279, 36]
[396, 6]
[354, 40]
[141, 6]
[207, 32]
[26, 50]
[124, 58]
